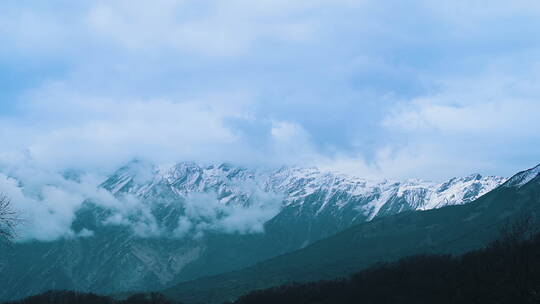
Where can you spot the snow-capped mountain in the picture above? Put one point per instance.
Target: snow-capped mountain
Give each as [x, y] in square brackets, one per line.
[192, 220]
[308, 191]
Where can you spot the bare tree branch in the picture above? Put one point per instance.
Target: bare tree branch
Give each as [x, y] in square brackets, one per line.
[8, 219]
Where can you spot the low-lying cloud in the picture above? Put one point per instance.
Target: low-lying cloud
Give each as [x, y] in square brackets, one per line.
[49, 203]
[204, 212]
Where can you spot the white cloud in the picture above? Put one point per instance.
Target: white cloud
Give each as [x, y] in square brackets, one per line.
[469, 124]
[286, 131]
[47, 212]
[213, 28]
[204, 212]
[486, 106]
[62, 128]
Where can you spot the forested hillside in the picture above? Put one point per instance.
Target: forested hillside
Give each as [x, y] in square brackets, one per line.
[507, 271]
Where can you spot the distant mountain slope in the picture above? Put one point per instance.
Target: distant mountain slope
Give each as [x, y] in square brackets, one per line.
[453, 229]
[296, 207]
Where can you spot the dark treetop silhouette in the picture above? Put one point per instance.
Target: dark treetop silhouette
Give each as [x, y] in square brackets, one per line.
[8, 219]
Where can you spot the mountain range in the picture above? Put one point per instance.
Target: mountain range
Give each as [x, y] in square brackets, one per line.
[449, 230]
[196, 221]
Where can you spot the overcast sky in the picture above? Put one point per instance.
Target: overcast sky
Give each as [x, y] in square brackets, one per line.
[396, 89]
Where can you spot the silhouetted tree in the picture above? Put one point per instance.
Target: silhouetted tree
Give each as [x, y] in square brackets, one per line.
[8, 219]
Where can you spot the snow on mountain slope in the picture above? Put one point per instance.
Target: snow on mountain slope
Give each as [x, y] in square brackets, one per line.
[524, 177]
[326, 192]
